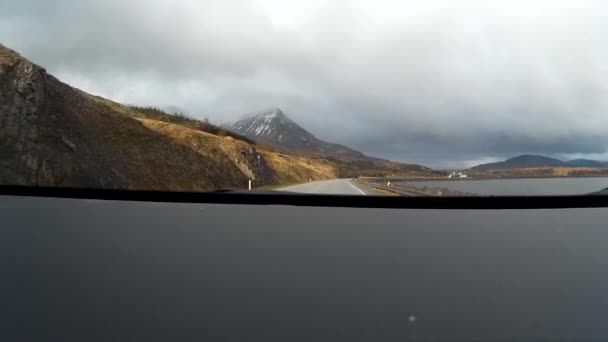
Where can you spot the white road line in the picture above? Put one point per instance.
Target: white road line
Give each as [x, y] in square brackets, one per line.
[351, 184]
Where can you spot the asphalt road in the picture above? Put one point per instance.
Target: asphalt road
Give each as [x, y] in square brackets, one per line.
[330, 187]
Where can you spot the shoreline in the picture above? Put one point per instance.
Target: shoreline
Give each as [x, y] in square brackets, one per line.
[473, 178]
[417, 186]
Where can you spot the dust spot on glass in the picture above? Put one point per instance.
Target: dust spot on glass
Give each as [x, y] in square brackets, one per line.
[412, 319]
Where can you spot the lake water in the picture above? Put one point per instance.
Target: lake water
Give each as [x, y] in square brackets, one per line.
[522, 186]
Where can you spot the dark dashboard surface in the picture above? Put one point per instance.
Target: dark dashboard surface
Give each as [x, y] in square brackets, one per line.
[103, 270]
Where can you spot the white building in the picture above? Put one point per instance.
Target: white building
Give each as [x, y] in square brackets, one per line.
[458, 175]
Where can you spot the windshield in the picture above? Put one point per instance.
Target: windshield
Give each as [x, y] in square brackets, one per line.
[386, 98]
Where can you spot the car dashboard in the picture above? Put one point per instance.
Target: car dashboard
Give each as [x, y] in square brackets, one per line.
[92, 269]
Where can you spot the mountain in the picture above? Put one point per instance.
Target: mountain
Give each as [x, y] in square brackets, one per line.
[523, 161]
[274, 128]
[587, 163]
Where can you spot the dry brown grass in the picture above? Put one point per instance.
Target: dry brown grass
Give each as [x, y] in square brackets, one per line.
[222, 153]
[293, 169]
[215, 156]
[7, 56]
[157, 114]
[165, 156]
[157, 161]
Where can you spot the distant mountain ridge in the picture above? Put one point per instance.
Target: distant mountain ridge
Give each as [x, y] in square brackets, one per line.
[273, 127]
[587, 163]
[536, 161]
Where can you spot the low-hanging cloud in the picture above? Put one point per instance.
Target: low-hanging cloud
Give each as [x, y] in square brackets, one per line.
[436, 82]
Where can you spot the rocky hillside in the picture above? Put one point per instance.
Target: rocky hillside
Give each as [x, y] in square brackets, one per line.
[274, 128]
[54, 135]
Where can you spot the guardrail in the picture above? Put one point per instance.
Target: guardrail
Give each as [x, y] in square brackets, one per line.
[401, 190]
[391, 189]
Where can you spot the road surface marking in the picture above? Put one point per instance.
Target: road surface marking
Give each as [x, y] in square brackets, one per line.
[351, 184]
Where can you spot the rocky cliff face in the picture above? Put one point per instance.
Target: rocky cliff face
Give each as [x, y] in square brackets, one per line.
[44, 133]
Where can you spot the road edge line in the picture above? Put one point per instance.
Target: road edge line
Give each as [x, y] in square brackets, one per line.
[350, 181]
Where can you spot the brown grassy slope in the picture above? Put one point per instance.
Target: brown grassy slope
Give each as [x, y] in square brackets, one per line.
[156, 114]
[55, 135]
[232, 159]
[294, 169]
[372, 167]
[285, 169]
[278, 168]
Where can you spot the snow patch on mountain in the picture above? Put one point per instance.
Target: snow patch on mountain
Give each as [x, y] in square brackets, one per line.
[274, 127]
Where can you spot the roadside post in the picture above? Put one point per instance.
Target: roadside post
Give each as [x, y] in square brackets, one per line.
[250, 184]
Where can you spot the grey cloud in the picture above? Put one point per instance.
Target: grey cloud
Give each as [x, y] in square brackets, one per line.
[434, 82]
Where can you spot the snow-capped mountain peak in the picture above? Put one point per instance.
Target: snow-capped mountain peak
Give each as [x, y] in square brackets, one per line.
[272, 114]
[274, 127]
[271, 124]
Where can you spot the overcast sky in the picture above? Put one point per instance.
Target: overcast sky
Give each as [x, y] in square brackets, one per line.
[443, 83]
